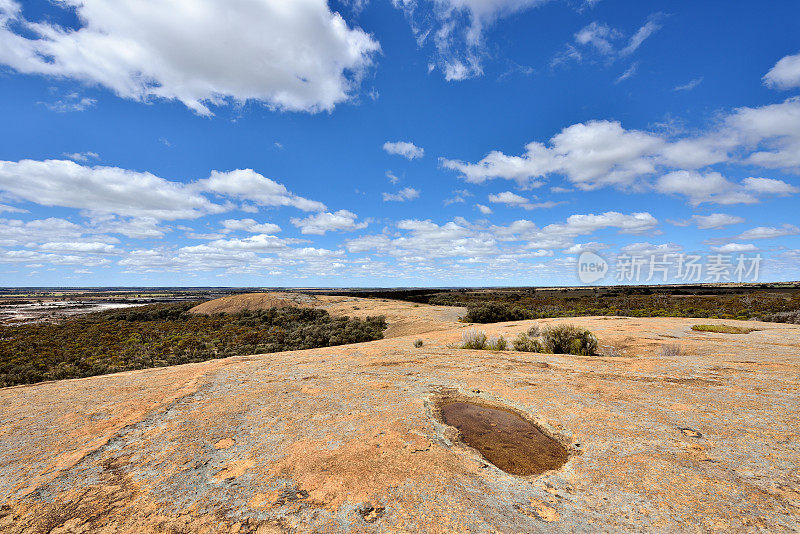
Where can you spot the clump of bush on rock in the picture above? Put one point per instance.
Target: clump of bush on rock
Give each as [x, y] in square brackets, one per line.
[559, 339]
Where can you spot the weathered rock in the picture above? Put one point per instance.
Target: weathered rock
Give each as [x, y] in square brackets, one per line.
[344, 439]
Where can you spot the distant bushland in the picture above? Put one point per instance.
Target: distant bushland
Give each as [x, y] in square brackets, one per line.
[765, 303]
[165, 334]
[495, 312]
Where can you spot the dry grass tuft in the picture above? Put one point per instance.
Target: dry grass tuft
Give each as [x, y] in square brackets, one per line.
[477, 340]
[616, 349]
[535, 330]
[474, 339]
[670, 350]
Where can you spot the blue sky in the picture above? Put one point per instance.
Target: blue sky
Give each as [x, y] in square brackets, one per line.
[394, 143]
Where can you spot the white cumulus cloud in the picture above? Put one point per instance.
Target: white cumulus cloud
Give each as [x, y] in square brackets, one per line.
[246, 184]
[108, 190]
[403, 148]
[15, 232]
[424, 240]
[785, 74]
[590, 154]
[89, 247]
[716, 220]
[512, 199]
[647, 249]
[732, 248]
[138, 227]
[81, 157]
[580, 248]
[769, 186]
[407, 193]
[320, 223]
[103, 192]
[296, 55]
[249, 225]
[769, 232]
[603, 153]
[699, 188]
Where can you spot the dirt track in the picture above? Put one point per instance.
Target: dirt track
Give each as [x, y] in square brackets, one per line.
[343, 439]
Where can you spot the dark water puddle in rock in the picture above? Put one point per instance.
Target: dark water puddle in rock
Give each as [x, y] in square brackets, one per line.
[510, 442]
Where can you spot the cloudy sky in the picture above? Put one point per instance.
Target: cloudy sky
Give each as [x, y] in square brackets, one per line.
[393, 142]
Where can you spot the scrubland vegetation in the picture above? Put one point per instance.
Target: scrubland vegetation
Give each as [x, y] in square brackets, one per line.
[559, 339]
[766, 302]
[165, 334]
[496, 313]
[477, 340]
[792, 317]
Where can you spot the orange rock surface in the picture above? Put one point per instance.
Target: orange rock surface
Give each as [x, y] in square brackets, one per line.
[344, 439]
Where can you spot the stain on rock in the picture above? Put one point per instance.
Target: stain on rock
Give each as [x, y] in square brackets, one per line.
[371, 513]
[503, 437]
[692, 433]
[291, 495]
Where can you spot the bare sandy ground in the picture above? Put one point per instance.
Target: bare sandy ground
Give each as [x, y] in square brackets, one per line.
[344, 439]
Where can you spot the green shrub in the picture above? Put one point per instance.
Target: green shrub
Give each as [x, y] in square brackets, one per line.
[418, 343]
[525, 343]
[494, 312]
[499, 343]
[569, 339]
